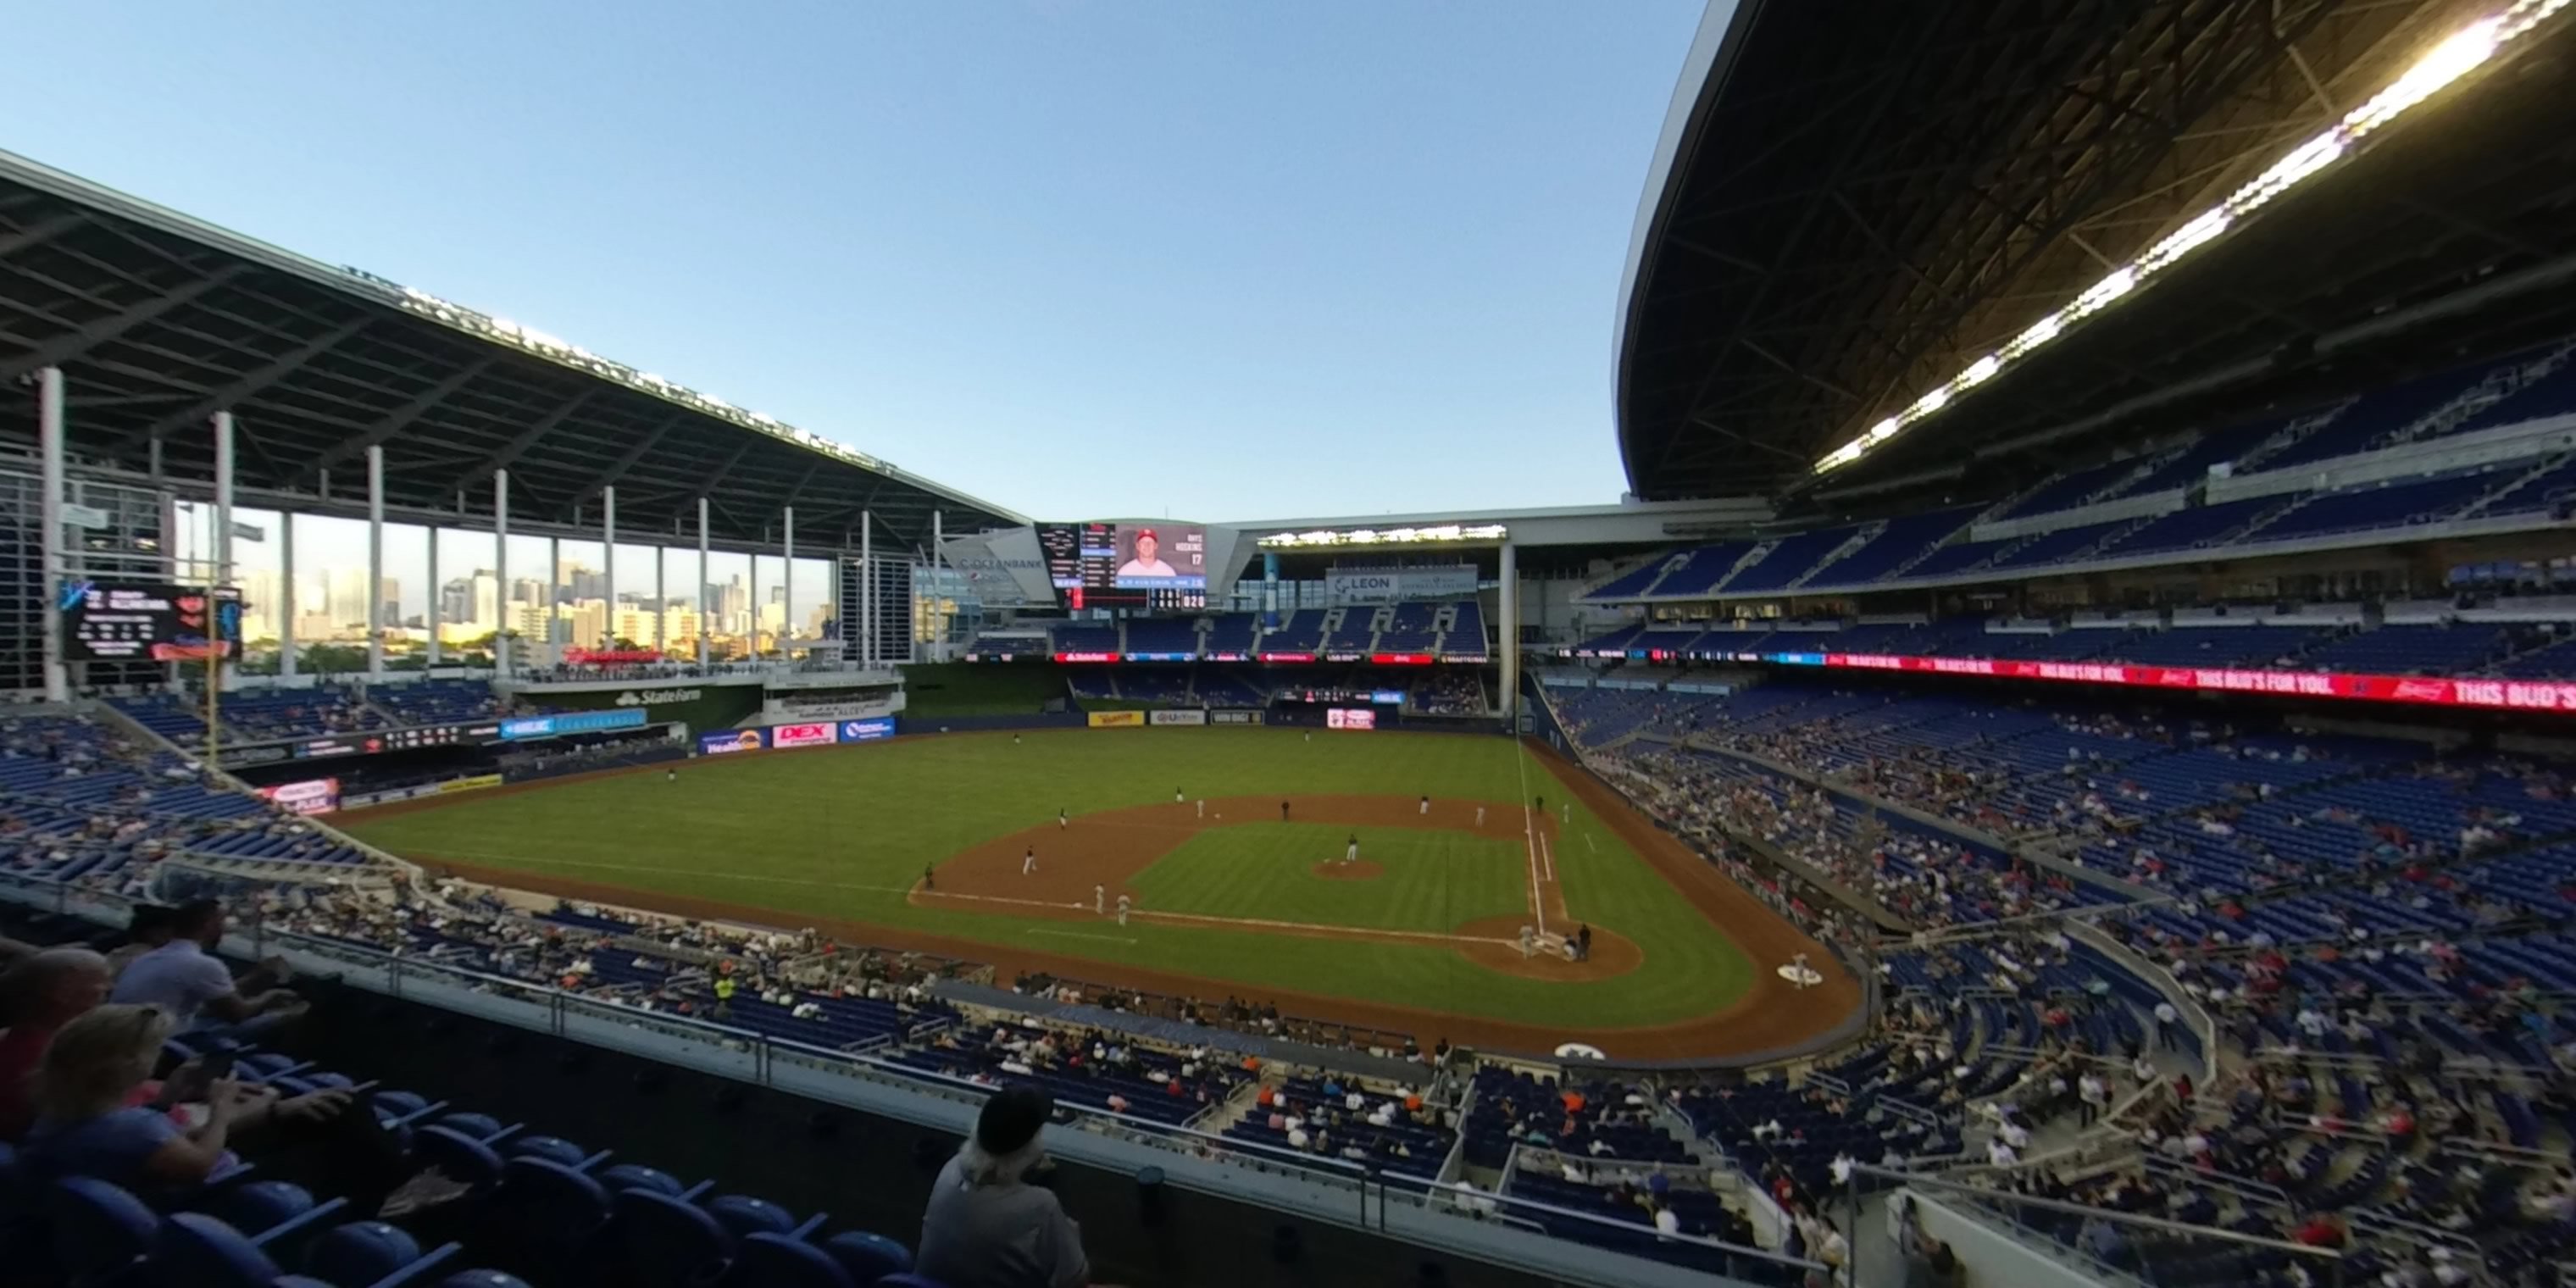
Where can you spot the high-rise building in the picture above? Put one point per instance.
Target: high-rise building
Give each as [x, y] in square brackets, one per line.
[456, 601]
[345, 597]
[527, 592]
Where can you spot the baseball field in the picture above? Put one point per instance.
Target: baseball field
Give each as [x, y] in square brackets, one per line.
[1232, 849]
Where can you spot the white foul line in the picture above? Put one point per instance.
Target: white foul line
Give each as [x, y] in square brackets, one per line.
[1081, 934]
[1529, 837]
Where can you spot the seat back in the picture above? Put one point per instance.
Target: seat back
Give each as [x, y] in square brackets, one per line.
[98, 1229]
[198, 1251]
[868, 1257]
[662, 1242]
[776, 1261]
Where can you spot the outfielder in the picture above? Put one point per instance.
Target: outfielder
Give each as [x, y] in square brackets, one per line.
[1029, 861]
[1122, 909]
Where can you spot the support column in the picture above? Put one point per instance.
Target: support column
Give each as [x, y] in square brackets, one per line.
[288, 664]
[501, 572]
[1507, 636]
[661, 601]
[375, 564]
[787, 585]
[437, 592]
[939, 625]
[701, 596]
[221, 574]
[867, 590]
[555, 624]
[608, 553]
[223, 542]
[49, 437]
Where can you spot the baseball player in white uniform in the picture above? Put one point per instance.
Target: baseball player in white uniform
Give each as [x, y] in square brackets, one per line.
[1122, 909]
[1351, 852]
[1176, 795]
[1029, 861]
[1480, 816]
[1203, 807]
[1529, 940]
[1426, 806]
[1099, 899]
[1060, 821]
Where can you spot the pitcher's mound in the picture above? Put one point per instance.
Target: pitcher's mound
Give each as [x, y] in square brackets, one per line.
[1613, 954]
[1336, 870]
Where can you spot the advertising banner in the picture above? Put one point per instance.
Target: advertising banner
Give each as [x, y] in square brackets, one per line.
[1234, 717]
[1388, 585]
[804, 735]
[1190, 717]
[1117, 719]
[312, 796]
[788, 711]
[474, 784]
[555, 726]
[867, 730]
[729, 741]
[2511, 695]
[1349, 718]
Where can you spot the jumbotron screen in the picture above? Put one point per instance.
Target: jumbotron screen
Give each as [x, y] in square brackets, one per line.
[1126, 565]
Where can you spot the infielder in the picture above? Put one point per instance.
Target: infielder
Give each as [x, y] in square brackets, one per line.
[1480, 816]
[1122, 909]
[1176, 795]
[1426, 806]
[1099, 899]
[1060, 822]
[1351, 852]
[1529, 940]
[1029, 861]
[1203, 807]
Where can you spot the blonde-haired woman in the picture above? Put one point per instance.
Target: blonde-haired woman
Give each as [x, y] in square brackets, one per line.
[87, 1123]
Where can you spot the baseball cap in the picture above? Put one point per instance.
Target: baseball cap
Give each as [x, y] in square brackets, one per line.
[1011, 1119]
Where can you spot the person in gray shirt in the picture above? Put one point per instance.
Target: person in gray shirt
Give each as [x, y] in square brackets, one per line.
[986, 1227]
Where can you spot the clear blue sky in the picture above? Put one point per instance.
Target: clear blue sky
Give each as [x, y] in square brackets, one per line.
[1224, 260]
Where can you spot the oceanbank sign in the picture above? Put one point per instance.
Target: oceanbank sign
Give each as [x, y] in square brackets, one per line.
[647, 697]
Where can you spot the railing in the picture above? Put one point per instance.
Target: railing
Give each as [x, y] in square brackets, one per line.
[1494, 1227]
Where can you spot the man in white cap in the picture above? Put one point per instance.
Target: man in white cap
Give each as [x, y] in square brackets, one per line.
[1148, 561]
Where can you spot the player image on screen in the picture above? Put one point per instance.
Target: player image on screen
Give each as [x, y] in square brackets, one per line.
[1159, 557]
[1148, 558]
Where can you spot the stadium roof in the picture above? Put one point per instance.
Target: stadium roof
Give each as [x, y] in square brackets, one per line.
[159, 320]
[1853, 204]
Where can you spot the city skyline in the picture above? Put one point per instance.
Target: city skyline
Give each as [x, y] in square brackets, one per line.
[746, 597]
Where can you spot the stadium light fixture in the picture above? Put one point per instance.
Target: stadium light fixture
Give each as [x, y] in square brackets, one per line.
[2456, 56]
[1435, 534]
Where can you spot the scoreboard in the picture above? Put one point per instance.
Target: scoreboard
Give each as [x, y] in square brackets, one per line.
[123, 621]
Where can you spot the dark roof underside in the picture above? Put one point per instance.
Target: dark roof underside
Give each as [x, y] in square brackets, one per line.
[155, 330]
[1871, 196]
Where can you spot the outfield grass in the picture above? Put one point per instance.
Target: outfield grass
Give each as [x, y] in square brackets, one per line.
[1435, 880]
[844, 833]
